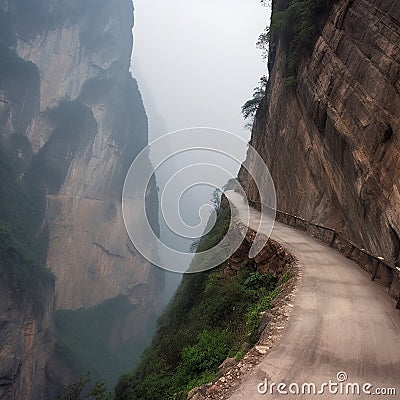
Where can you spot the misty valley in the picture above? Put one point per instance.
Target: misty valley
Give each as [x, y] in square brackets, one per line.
[199, 200]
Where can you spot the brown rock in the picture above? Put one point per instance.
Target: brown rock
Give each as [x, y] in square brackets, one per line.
[227, 364]
[212, 390]
[332, 141]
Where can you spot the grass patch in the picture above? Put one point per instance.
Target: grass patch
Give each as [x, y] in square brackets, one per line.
[285, 277]
[255, 310]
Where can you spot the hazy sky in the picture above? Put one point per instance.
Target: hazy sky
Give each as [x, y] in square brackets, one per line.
[196, 61]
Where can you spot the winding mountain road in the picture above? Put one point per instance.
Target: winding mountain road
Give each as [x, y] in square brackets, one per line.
[341, 321]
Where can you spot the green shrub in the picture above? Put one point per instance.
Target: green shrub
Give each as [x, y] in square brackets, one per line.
[249, 109]
[79, 390]
[207, 354]
[258, 281]
[253, 315]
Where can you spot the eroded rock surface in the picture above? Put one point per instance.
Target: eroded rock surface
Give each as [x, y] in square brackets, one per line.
[332, 142]
[71, 122]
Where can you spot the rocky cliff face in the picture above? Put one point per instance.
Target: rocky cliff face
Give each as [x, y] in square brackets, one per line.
[26, 345]
[86, 91]
[71, 122]
[331, 141]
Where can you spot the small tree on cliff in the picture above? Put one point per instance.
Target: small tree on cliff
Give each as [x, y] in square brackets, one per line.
[250, 108]
[75, 391]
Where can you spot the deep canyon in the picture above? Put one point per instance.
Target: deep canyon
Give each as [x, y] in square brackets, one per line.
[71, 122]
[75, 295]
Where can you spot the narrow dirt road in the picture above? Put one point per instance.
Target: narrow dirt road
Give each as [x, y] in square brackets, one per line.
[341, 322]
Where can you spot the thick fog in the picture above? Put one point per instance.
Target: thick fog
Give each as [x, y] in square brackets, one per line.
[196, 62]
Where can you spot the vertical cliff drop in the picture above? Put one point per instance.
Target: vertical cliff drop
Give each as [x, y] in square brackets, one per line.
[71, 122]
[330, 134]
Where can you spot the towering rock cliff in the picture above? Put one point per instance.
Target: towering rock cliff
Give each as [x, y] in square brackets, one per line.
[331, 139]
[71, 122]
[90, 125]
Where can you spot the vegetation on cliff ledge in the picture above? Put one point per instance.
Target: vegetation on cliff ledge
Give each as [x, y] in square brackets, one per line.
[214, 315]
[298, 23]
[249, 109]
[23, 245]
